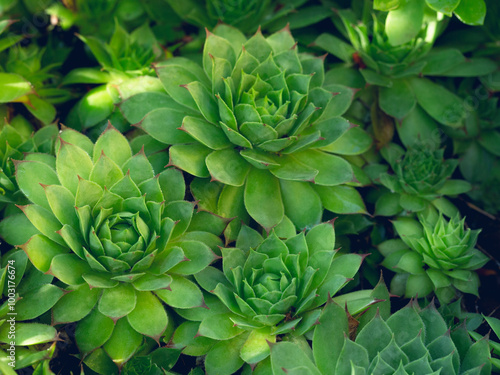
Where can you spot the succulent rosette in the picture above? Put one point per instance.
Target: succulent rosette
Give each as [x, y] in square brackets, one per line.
[125, 71]
[269, 287]
[433, 255]
[258, 120]
[420, 181]
[410, 341]
[120, 237]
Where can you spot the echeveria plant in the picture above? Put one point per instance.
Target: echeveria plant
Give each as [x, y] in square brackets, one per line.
[420, 181]
[257, 119]
[271, 287]
[410, 341]
[441, 258]
[120, 237]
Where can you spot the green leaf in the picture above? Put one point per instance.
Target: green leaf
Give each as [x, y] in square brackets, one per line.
[123, 343]
[386, 5]
[41, 109]
[93, 331]
[256, 348]
[329, 337]
[455, 187]
[443, 6]
[219, 327]
[471, 12]
[190, 158]
[472, 68]
[332, 169]
[442, 105]
[416, 127]
[62, 203]
[227, 167]
[76, 304]
[354, 141]
[205, 133]
[118, 301]
[263, 198]
[148, 317]
[336, 46]
[288, 355]
[12, 87]
[199, 257]
[224, 357]
[406, 324]
[69, 268]
[302, 204]
[184, 294]
[44, 221]
[216, 47]
[205, 101]
[72, 162]
[114, 145]
[17, 229]
[398, 100]
[404, 23]
[37, 301]
[96, 106]
[28, 333]
[41, 251]
[29, 176]
[341, 199]
[86, 75]
[105, 172]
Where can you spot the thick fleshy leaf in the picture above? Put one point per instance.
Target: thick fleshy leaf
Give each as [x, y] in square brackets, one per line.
[114, 145]
[205, 133]
[442, 105]
[224, 357]
[62, 204]
[263, 198]
[227, 167]
[41, 109]
[184, 294]
[332, 169]
[354, 141]
[199, 256]
[93, 331]
[148, 317]
[219, 327]
[341, 199]
[69, 268]
[118, 301]
[190, 158]
[302, 204]
[105, 172]
[256, 347]
[37, 301]
[44, 221]
[29, 176]
[75, 305]
[288, 355]
[29, 333]
[404, 23]
[41, 251]
[471, 12]
[398, 100]
[163, 125]
[329, 337]
[17, 229]
[123, 343]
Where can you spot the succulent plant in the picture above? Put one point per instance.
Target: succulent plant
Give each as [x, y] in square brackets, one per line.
[248, 16]
[27, 296]
[433, 255]
[257, 120]
[120, 238]
[16, 138]
[126, 70]
[270, 287]
[410, 341]
[420, 181]
[393, 53]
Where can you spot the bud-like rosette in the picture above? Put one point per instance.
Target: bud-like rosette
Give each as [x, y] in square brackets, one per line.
[258, 119]
[268, 287]
[421, 178]
[118, 235]
[441, 257]
[410, 341]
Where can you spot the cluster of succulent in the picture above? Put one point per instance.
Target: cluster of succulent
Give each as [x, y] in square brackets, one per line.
[410, 341]
[188, 188]
[433, 255]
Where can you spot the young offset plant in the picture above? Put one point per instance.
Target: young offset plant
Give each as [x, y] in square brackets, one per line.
[257, 120]
[441, 258]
